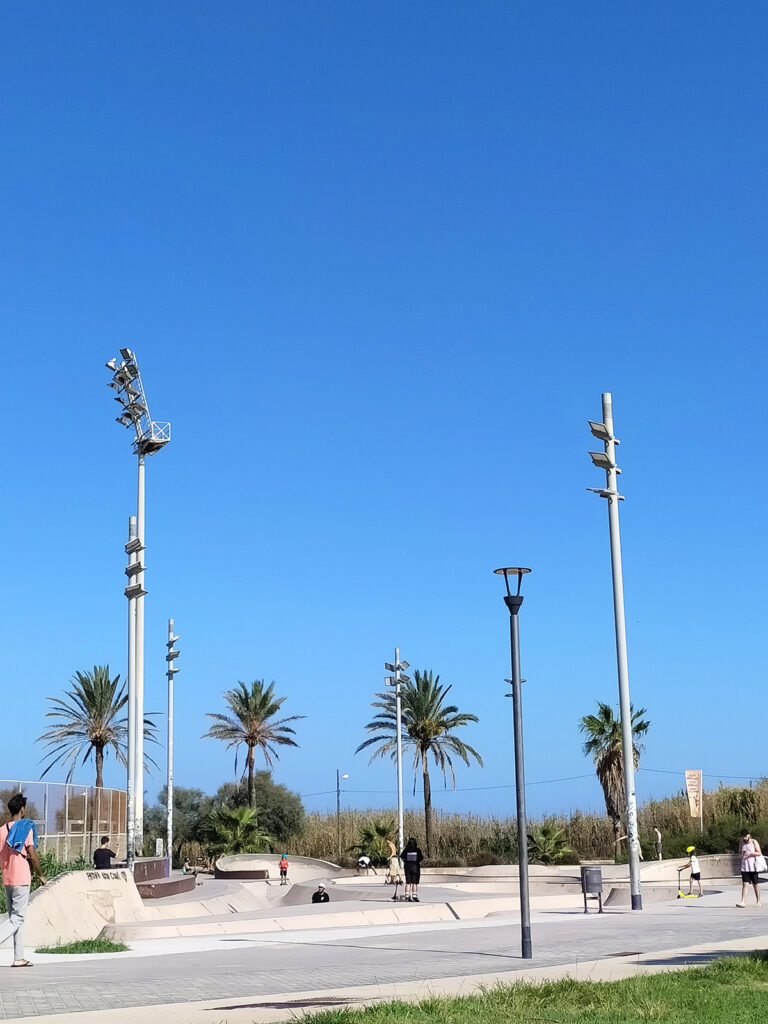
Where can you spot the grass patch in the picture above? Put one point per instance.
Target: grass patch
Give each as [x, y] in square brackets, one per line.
[728, 991]
[86, 946]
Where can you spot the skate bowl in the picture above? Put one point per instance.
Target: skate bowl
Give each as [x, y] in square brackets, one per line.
[256, 866]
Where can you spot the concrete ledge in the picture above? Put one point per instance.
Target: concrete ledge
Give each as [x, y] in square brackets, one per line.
[166, 887]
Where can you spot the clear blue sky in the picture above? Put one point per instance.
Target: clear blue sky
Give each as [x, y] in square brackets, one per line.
[378, 262]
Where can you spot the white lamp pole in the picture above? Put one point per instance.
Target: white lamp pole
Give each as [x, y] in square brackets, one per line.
[339, 777]
[396, 680]
[170, 672]
[607, 460]
[132, 549]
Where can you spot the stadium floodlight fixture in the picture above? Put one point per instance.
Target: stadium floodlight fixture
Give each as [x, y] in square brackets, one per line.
[151, 435]
[601, 460]
[599, 430]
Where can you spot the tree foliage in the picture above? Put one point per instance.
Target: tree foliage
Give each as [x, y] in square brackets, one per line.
[603, 745]
[428, 729]
[251, 723]
[233, 830]
[281, 812]
[548, 844]
[374, 838]
[90, 720]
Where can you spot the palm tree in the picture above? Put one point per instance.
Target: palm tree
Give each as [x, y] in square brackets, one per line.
[548, 844]
[375, 837]
[249, 723]
[603, 744]
[232, 830]
[427, 728]
[89, 721]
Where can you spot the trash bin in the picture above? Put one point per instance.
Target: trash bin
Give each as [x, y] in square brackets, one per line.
[592, 885]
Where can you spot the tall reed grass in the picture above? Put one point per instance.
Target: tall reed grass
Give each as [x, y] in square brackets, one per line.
[471, 839]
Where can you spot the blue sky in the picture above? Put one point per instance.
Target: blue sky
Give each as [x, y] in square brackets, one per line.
[378, 262]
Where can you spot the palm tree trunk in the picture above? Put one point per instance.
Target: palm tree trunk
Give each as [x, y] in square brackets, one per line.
[616, 822]
[427, 805]
[99, 767]
[251, 787]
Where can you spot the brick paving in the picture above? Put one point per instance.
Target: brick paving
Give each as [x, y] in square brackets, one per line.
[329, 964]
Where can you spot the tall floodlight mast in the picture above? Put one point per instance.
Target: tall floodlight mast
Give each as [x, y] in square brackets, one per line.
[149, 437]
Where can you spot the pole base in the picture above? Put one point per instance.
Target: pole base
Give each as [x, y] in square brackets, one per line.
[637, 901]
[527, 947]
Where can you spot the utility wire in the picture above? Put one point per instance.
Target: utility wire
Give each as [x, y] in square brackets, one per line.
[538, 782]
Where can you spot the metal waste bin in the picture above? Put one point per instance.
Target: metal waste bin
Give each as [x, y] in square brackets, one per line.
[592, 885]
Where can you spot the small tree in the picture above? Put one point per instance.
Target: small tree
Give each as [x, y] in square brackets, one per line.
[547, 844]
[281, 812]
[190, 807]
[374, 838]
[233, 830]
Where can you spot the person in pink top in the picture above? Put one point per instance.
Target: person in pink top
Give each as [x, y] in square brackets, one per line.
[17, 852]
[752, 863]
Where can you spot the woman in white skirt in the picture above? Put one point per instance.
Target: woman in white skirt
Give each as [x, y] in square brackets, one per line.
[752, 863]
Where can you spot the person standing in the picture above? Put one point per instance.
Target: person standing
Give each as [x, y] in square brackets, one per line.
[693, 864]
[412, 858]
[18, 850]
[752, 863]
[102, 858]
[283, 870]
[657, 844]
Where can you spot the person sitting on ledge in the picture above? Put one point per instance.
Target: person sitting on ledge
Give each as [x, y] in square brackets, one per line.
[320, 895]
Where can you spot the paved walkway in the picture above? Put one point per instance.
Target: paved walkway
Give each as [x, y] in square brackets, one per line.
[238, 975]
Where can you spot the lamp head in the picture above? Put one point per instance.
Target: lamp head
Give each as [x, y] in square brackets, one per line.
[513, 571]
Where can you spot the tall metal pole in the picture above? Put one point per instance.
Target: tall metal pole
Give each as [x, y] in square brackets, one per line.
[399, 719]
[513, 602]
[130, 829]
[169, 807]
[338, 813]
[139, 708]
[621, 659]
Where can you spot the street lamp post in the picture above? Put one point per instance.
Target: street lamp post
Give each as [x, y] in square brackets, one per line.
[607, 460]
[513, 603]
[170, 672]
[338, 809]
[150, 437]
[396, 680]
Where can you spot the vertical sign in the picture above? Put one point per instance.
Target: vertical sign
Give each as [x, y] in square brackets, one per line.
[694, 785]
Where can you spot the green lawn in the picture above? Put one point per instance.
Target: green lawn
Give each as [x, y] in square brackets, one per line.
[86, 946]
[729, 991]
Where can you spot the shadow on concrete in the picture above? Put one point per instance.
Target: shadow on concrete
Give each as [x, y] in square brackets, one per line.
[286, 1004]
[692, 959]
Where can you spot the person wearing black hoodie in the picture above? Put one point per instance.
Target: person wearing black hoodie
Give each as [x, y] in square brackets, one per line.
[412, 858]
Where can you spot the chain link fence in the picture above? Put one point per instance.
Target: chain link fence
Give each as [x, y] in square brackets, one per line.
[70, 819]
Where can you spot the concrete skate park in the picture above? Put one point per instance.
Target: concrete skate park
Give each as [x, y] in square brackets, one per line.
[244, 949]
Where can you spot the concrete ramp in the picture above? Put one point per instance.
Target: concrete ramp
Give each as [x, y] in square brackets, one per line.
[78, 905]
